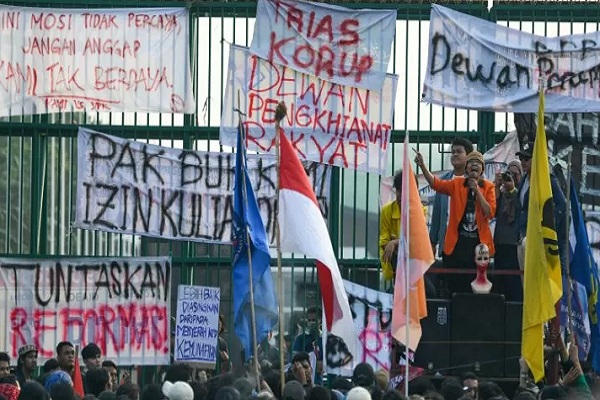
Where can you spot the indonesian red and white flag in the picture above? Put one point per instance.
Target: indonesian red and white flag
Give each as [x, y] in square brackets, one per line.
[414, 259]
[303, 231]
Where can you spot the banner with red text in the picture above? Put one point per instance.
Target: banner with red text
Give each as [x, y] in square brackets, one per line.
[127, 186]
[121, 304]
[372, 315]
[337, 44]
[66, 60]
[326, 122]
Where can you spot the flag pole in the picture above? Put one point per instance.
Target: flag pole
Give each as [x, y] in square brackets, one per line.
[405, 192]
[567, 256]
[280, 113]
[250, 277]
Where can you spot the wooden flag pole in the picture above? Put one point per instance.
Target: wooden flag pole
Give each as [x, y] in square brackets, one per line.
[280, 113]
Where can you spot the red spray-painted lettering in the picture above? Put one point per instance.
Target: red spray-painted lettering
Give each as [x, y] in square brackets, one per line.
[113, 328]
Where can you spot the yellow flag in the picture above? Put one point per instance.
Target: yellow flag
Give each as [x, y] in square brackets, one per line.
[542, 285]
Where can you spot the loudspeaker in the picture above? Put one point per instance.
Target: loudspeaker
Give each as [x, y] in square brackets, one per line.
[512, 338]
[477, 334]
[433, 353]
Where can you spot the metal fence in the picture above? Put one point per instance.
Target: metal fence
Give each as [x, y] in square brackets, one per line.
[38, 154]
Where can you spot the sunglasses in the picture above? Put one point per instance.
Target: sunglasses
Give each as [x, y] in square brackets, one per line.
[524, 158]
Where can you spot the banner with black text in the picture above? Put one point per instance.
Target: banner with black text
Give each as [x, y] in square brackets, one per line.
[477, 64]
[126, 186]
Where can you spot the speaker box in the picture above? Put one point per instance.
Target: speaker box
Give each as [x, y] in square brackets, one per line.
[433, 353]
[477, 334]
[512, 338]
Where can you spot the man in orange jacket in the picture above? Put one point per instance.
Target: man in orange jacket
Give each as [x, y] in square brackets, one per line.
[472, 206]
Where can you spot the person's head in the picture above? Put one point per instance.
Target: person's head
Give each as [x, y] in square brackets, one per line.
[313, 319]
[28, 357]
[57, 377]
[470, 381]
[460, 148]
[342, 384]
[111, 368]
[92, 356]
[525, 155]
[4, 364]
[224, 393]
[304, 360]
[200, 390]
[420, 385]
[293, 390]
[152, 392]
[397, 185]
[179, 391]
[363, 375]
[50, 366]
[107, 395]
[178, 373]
[221, 324]
[65, 354]
[452, 389]
[318, 393]
[487, 389]
[97, 381]
[32, 390]
[554, 392]
[358, 393]
[62, 391]
[130, 390]
[382, 377]
[516, 170]
[474, 164]
[393, 394]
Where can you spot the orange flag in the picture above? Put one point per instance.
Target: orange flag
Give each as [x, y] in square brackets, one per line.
[415, 256]
[77, 380]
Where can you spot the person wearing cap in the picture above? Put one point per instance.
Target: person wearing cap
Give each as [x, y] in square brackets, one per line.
[26, 364]
[472, 206]
[560, 206]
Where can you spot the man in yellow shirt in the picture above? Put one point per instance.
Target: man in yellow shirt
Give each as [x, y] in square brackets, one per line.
[389, 229]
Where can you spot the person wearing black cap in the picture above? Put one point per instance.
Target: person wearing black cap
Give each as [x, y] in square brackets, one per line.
[26, 364]
[560, 205]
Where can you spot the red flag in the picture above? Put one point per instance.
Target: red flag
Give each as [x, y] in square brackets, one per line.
[303, 230]
[77, 380]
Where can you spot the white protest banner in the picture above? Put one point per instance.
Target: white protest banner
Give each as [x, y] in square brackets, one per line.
[121, 304]
[337, 44]
[476, 64]
[327, 123]
[372, 315]
[125, 186]
[197, 325]
[57, 60]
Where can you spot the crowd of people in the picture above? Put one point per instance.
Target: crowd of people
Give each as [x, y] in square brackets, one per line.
[99, 378]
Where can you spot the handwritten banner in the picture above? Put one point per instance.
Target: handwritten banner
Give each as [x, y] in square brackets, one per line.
[337, 44]
[125, 186]
[327, 123]
[477, 64]
[197, 331]
[121, 304]
[372, 314]
[56, 60]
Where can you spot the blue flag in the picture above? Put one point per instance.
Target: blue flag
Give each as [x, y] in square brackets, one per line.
[584, 271]
[246, 215]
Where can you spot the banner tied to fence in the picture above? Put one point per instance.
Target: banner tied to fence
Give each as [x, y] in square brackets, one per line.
[326, 122]
[372, 315]
[477, 64]
[121, 304]
[69, 60]
[126, 186]
[338, 44]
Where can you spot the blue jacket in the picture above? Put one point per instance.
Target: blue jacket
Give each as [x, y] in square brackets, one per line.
[439, 216]
[560, 211]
